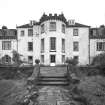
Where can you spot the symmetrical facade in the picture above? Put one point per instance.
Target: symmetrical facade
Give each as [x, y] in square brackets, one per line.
[53, 39]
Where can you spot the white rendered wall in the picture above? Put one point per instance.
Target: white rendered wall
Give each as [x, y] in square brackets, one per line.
[23, 43]
[83, 39]
[47, 35]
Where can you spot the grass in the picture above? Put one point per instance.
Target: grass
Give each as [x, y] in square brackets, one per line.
[11, 91]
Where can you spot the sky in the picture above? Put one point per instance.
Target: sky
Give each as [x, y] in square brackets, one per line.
[18, 12]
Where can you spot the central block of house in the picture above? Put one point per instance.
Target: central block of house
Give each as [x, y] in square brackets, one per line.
[53, 39]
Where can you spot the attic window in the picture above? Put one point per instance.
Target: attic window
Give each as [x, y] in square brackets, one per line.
[71, 22]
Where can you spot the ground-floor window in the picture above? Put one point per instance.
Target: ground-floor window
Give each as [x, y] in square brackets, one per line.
[76, 58]
[52, 58]
[63, 58]
[100, 46]
[42, 58]
[30, 59]
[6, 59]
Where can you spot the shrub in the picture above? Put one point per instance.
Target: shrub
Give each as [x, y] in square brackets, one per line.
[37, 61]
[99, 60]
[16, 58]
[71, 61]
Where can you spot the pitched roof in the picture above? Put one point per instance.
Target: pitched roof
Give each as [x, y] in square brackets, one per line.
[28, 25]
[77, 25]
[25, 26]
[8, 34]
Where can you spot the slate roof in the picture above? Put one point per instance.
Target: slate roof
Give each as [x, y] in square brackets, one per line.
[8, 34]
[77, 25]
[25, 26]
[60, 17]
[28, 25]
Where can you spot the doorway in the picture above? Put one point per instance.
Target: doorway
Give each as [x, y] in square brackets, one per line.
[52, 59]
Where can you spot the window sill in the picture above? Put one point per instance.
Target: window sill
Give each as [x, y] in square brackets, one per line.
[30, 35]
[76, 51]
[52, 30]
[6, 49]
[75, 35]
[30, 50]
[52, 50]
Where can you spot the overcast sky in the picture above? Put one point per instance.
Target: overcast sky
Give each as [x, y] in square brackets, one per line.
[89, 12]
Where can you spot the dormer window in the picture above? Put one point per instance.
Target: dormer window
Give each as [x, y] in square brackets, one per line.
[52, 26]
[42, 28]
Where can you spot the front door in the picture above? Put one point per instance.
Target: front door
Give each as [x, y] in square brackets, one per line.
[52, 59]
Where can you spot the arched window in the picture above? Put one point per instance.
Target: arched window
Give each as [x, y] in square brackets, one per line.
[6, 59]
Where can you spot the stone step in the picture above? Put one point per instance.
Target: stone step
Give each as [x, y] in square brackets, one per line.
[53, 69]
[52, 72]
[53, 79]
[54, 83]
[52, 75]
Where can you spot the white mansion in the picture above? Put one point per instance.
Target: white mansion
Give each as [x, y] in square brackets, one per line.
[52, 40]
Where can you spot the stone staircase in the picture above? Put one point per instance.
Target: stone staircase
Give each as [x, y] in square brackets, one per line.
[53, 76]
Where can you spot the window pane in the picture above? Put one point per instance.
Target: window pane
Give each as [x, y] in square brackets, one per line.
[42, 45]
[6, 45]
[30, 32]
[100, 46]
[52, 43]
[75, 46]
[63, 28]
[52, 26]
[7, 59]
[63, 58]
[42, 28]
[52, 58]
[30, 59]
[103, 46]
[22, 33]
[30, 46]
[63, 45]
[42, 58]
[76, 58]
[75, 32]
